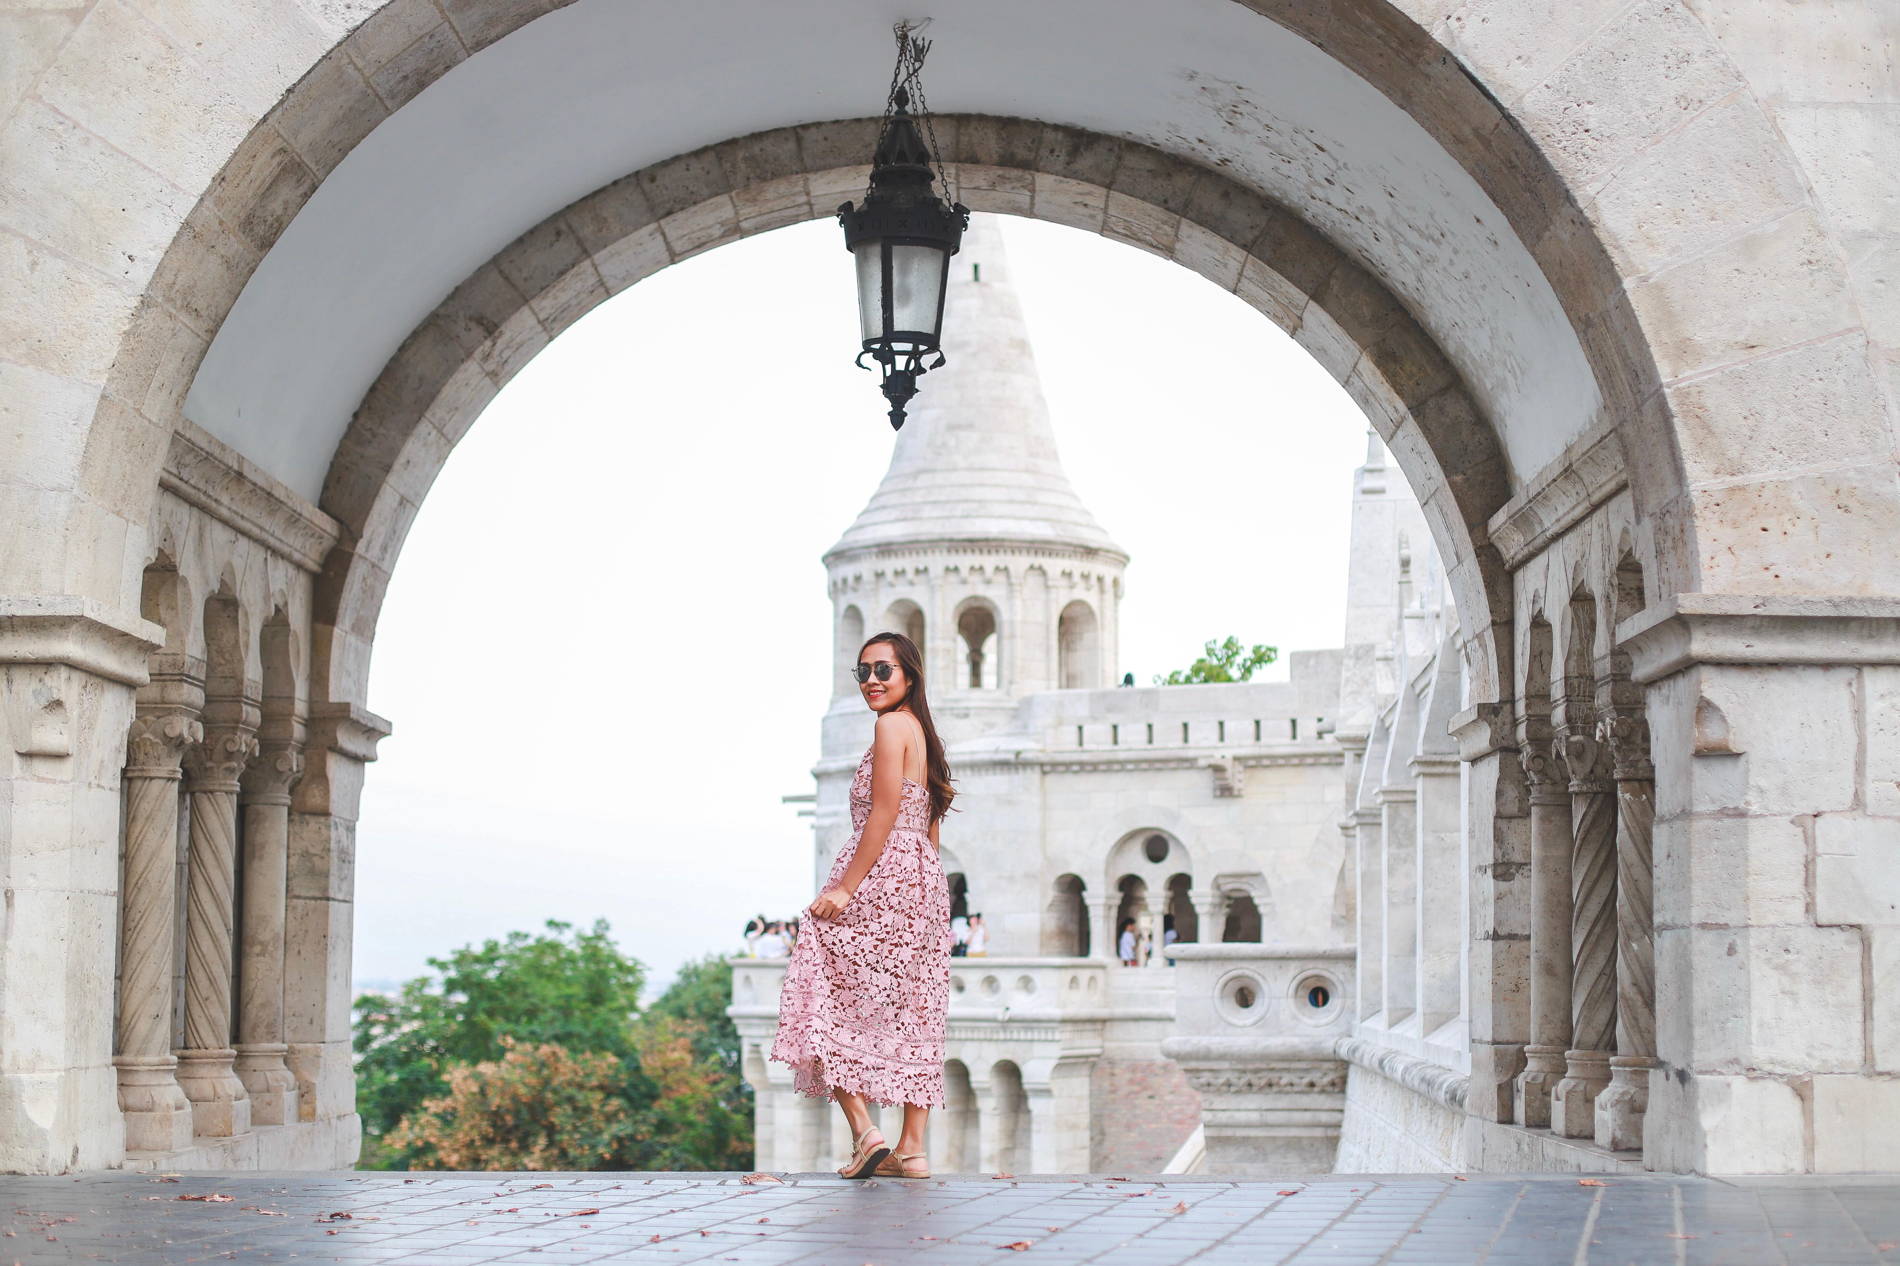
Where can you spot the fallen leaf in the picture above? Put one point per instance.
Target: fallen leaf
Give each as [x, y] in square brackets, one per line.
[1017, 1246]
[705, 1232]
[1180, 1207]
[268, 1213]
[208, 1198]
[338, 1216]
[1294, 1191]
[1002, 1175]
[655, 1239]
[581, 1213]
[1678, 1235]
[765, 1219]
[1459, 1178]
[759, 1178]
[1591, 1182]
[1885, 1246]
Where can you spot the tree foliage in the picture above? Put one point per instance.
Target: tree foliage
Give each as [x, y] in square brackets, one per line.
[531, 1052]
[1222, 661]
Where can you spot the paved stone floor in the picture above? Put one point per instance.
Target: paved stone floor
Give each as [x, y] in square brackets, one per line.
[472, 1220]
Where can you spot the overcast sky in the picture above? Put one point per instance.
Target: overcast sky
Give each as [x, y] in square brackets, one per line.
[606, 646]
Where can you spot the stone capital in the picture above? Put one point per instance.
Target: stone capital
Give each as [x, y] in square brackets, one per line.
[156, 743]
[347, 730]
[1717, 628]
[1586, 757]
[274, 771]
[1482, 729]
[218, 763]
[1627, 735]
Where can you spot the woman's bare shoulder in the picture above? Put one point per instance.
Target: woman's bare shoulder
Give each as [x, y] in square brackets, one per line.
[898, 721]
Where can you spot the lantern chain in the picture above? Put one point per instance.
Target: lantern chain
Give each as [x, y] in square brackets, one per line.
[907, 75]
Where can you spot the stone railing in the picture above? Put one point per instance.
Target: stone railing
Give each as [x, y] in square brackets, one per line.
[1256, 1028]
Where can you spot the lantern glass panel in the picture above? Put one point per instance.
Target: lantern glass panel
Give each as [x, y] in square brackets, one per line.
[916, 290]
[870, 256]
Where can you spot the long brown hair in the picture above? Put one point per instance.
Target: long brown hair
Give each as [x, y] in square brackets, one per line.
[936, 767]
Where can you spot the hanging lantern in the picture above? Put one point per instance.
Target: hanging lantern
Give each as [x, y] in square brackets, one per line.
[903, 236]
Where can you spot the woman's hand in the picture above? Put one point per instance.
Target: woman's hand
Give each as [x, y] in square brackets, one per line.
[831, 903]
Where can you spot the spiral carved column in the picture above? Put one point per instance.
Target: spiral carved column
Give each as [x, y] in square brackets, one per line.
[1592, 933]
[220, 1104]
[1550, 925]
[260, 1029]
[1621, 1107]
[157, 1114]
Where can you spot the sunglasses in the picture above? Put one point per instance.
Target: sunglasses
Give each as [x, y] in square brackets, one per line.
[883, 670]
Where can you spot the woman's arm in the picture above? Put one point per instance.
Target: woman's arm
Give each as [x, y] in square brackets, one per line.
[887, 793]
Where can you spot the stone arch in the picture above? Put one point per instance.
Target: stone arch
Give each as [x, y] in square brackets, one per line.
[1008, 1107]
[850, 640]
[1078, 647]
[906, 617]
[979, 627]
[1065, 921]
[165, 600]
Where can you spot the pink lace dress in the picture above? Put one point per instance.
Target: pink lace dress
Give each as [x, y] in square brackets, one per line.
[867, 994]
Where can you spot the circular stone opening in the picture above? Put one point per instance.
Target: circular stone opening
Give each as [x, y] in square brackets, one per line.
[1155, 849]
[1241, 998]
[992, 986]
[1025, 984]
[1315, 998]
[958, 984]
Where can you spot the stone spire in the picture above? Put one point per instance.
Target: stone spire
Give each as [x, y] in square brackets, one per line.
[977, 460]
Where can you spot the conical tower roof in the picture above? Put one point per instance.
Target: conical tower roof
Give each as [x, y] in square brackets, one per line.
[977, 460]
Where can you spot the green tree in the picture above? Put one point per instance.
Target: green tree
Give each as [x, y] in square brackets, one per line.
[1222, 661]
[703, 1100]
[569, 988]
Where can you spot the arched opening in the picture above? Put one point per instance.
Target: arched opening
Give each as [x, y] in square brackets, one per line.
[1009, 1124]
[1243, 920]
[1131, 917]
[955, 1138]
[1078, 653]
[906, 617]
[979, 635]
[1182, 919]
[1065, 923]
[850, 641]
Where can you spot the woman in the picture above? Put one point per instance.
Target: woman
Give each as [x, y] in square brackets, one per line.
[867, 994]
[1129, 945]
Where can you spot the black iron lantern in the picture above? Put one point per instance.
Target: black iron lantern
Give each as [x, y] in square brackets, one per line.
[903, 236]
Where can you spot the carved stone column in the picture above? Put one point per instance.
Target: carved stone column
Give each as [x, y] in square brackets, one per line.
[1550, 924]
[260, 1029]
[1102, 942]
[1592, 932]
[1210, 915]
[157, 1114]
[220, 1104]
[1620, 1108]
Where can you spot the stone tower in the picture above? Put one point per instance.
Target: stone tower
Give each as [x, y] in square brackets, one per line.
[974, 543]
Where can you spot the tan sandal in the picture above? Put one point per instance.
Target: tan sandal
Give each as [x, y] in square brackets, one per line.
[865, 1161]
[893, 1165]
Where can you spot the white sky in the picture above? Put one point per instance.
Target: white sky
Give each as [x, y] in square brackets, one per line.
[606, 647]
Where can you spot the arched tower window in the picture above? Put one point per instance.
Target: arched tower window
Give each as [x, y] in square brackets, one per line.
[1243, 919]
[907, 617]
[1078, 651]
[1065, 924]
[979, 641]
[850, 639]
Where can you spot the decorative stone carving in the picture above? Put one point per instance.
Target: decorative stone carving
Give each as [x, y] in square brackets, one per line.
[1230, 779]
[261, 1047]
[157, 1115]
[1317, 1078]
[1621, 1107]
[1592, 932]
[220, 1104]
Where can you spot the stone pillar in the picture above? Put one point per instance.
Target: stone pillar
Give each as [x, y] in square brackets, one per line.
[1621, 1107]
[158, 1117]
[261, 1047]
[1592, 932]
[1369, 850]
[1550, 925]
[1438, 874]
[1210, 915]
[1102, 911]
[221, 1106]
[1499, 973]
[1398, 830]
[1269, 1106]
[318, 907]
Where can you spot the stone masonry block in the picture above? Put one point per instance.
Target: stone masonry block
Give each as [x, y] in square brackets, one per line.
[403, 76]
[994, 142]
[1731, 872]
[1638, 76]
[1880, 709]
[845, 143]
[1071, 202]
[263, 187]
[1884, 993]
[1818, 56]
[1724, 1125]
[1209, 254]
[1724, 172]
[633, 258]
[539, 258]
[1072, 154]
[480, 23]
[1821, 532]
[1856, 870]
[678, 184]
[1140, 224]
[1707, 311]
[1802, 719]
[701, 227]
[1267, 292]
[1160, 180]
[609, 214]
[1854, 1124]
[1783, 1000]
[760, 157]
[330, 111]
[1775, 413]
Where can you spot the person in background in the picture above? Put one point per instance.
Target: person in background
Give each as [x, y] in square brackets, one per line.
[754, 929]
[1168, 937]
[791, 935]
[979, 944]
[959, 937]
[1128, 944]
[773, 943]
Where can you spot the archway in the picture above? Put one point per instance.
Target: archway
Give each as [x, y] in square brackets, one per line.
[1657, 372]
